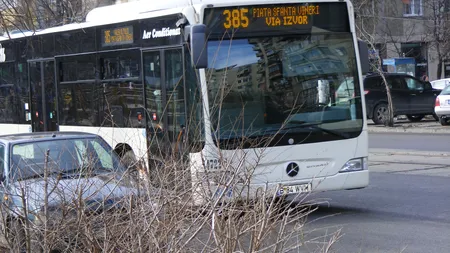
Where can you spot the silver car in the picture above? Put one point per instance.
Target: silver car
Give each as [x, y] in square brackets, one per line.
[442, 106]
[44, 172]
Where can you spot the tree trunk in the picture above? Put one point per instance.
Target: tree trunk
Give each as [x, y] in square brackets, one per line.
[439, 69]
[390, 120]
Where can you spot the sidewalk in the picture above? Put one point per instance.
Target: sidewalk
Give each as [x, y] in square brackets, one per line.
[409, 156]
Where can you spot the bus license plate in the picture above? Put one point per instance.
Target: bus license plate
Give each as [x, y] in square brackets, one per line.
[295, 189]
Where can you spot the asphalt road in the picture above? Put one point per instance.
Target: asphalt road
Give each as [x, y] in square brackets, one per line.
[406, 207]
[410, 141]
[397, 213]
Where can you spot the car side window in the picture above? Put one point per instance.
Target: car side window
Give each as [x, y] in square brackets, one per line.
[373, 83]
[396, 83]
[414, 84]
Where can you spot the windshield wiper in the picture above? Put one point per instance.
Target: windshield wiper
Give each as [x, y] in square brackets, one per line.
[84, 171]
[315, 126]
[64, 174]
[293, 124]
[40, 175]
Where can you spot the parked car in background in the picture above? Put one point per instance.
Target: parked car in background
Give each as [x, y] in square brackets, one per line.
[442, 106]
[78, 168]
[410, 96]
[440, 84]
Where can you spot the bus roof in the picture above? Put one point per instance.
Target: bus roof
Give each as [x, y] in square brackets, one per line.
[113, 14]
[140, 9]
[133, 9]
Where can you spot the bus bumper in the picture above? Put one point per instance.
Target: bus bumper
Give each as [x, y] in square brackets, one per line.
[297, 189]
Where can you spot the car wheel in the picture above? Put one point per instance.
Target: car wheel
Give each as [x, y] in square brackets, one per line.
[415, 118]
[443, 121]
[380, 114]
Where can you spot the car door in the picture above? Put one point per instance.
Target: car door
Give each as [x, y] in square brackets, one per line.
[399, 94]
[422, 96]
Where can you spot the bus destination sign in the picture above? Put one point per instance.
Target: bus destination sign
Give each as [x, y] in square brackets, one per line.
[266, 18]
[272, 16]
[117, 36]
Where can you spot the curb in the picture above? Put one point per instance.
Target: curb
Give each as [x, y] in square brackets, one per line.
[394, 152]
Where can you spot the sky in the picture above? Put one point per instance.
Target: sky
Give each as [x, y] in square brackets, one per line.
[220, 55]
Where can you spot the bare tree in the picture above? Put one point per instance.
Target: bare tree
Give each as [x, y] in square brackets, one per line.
[92, 217]
[367, 24]
[32, 15]
[382, 25]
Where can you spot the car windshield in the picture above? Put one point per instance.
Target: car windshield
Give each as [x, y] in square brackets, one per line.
[445, 91]
[257, 85]
[83, 156]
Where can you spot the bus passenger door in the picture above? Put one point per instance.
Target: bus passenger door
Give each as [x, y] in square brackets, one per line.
[43, 98]
[165, 103]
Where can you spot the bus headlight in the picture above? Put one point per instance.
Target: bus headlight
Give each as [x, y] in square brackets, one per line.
[357, 164]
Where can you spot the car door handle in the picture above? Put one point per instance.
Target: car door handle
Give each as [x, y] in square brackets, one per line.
[413, 94]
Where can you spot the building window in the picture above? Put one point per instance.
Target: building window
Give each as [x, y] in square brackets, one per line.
[412, 7]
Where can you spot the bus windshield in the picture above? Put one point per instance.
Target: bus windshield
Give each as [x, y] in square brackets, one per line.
[258, 85]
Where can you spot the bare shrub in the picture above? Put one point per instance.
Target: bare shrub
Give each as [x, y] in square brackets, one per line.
[156, 219]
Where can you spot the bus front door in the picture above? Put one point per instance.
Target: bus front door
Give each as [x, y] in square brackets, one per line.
[43, 98]
[165, 100]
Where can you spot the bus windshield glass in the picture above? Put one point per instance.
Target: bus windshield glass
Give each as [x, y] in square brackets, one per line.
[258, 85]
[301, 85]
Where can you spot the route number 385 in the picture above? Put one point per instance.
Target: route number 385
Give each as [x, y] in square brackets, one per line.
[236, 18]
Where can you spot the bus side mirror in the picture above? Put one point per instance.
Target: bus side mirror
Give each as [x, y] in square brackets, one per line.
[364, 56]
[196, 36]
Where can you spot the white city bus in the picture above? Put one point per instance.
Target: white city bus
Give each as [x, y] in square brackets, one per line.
[262, 74]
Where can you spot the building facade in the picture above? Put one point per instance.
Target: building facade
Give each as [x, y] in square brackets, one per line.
[417, 29]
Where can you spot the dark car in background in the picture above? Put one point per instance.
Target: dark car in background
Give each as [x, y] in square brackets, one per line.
[410, 96]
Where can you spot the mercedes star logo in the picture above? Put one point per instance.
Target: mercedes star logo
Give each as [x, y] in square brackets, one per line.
[292, 169]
